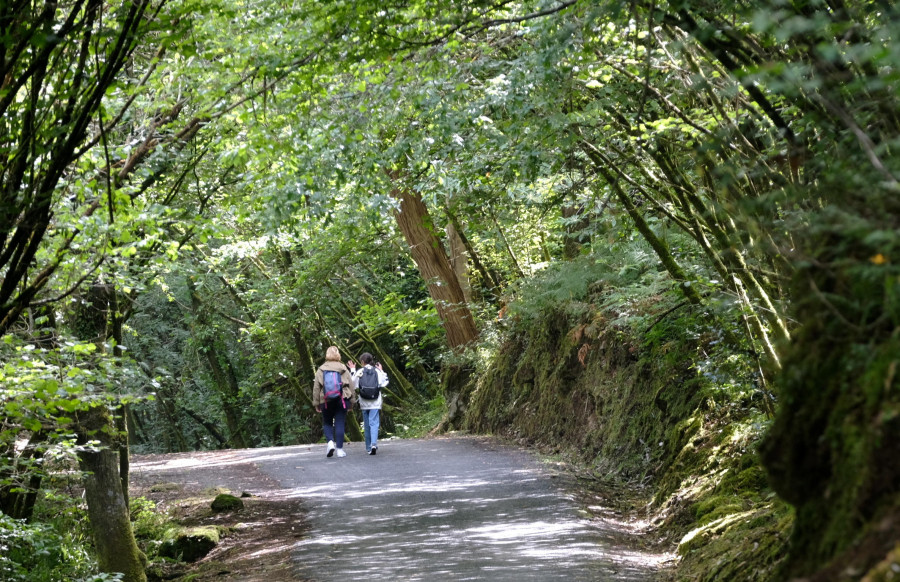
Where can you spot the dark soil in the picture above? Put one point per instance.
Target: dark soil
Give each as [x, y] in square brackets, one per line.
[257, 540]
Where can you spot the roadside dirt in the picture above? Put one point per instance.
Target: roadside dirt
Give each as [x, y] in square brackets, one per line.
[258, 538]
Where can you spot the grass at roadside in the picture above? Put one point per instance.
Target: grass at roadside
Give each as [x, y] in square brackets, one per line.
[419, 420]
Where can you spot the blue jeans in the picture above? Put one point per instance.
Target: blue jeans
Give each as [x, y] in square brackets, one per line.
[333, 417]
[371, 422]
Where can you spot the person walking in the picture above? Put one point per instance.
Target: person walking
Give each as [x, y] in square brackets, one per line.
[369, 380]
[333, 396]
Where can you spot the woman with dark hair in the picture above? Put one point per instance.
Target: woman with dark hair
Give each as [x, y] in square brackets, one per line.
[333, 397]
[369, 380]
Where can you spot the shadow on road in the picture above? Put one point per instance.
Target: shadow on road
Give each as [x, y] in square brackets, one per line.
[455, 509]
[460, 508]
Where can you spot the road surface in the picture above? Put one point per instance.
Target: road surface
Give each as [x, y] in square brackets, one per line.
[455, 508]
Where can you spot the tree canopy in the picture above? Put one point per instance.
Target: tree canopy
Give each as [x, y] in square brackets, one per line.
[199, 197]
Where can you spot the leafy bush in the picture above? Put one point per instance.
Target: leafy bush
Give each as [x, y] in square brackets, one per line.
[150, 527]
[37, 552]
[419, 419]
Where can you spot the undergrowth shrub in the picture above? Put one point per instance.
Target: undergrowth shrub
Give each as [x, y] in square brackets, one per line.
[42, 552]
[418, 419]
[150, 526]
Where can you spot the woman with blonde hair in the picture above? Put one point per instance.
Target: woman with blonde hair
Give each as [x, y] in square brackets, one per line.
[333, 397]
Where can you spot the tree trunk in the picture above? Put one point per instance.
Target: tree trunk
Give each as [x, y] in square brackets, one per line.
[116, 323]
[488, 279]
[302, 395]
[209, 426]
[225, 378]
[226, 384]
[307, 364]
[512, 256]
[174, 440]
[121, 422]
[116, 319]
[434, 266]
[17, 501]
[116, 548]
[164, 404]
[459, 261]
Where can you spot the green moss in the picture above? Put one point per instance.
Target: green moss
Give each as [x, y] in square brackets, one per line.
[164, 487]
[886, 570]
[226, 502]
[826, 451]
[751, 480]
[150, 526]
[190, 544]
[746, 546]
[715, 507]
[637, 410]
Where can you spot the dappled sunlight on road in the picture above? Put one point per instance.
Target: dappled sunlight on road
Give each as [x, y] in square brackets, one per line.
[372, 489]
[474, 518]
[443, 509]
[206, 459]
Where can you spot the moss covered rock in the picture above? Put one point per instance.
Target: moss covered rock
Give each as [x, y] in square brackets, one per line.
[164, 487]
[191, 544]
[887, 570]
[226, 502]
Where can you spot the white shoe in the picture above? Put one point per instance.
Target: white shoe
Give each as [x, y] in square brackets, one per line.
[341, 453]
[330, 449]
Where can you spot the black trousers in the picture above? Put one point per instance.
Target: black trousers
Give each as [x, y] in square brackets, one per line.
[334, 417]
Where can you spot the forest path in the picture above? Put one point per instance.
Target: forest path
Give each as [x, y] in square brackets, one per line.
[453, 508]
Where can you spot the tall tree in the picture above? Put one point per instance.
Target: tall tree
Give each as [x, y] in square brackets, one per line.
[428, 252]
[117, 550]
[56, 65]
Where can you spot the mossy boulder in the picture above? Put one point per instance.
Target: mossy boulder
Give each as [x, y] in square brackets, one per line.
[191, 544]
[164, 487]
[226, 502]
[887, 569]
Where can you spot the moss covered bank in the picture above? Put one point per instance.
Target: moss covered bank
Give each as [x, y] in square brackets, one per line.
[650, 401]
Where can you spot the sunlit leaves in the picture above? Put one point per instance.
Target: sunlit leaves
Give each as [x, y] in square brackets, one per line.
[42, 390]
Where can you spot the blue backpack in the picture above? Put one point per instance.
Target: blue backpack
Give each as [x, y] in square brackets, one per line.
[332, 385]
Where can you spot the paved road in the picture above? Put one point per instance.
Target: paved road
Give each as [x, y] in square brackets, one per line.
[440, 509]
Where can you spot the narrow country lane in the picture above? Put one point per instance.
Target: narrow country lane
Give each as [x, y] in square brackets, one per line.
[458, 508]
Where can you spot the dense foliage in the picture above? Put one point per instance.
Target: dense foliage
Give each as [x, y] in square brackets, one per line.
[199, 197]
